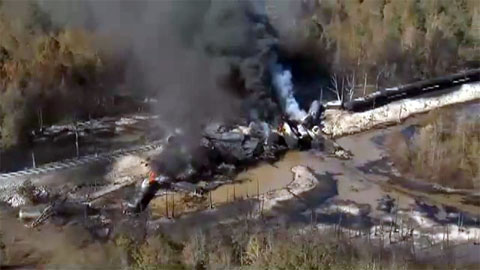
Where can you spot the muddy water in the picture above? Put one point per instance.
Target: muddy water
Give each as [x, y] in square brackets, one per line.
[371, 170]
[266, 177]
[269, 177]
[351, 184]
[365, 187]
[248, 184]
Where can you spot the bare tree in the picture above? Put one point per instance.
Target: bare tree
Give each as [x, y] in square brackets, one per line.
[343, 89]
[336, 89]
[40, 119]
[365, 85]
[34, 164]
[383, 70]
[77, 148]
[350, 87]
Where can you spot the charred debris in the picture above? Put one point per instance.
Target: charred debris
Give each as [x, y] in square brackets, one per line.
[217, 156]
[225, 150]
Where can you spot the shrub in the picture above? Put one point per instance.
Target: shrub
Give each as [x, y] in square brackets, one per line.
[155, 253]
[444, 150]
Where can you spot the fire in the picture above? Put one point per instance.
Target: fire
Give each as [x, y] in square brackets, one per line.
[151, 177]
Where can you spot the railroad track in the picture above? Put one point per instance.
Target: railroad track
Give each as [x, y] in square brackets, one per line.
[411, 90]
[88, 159]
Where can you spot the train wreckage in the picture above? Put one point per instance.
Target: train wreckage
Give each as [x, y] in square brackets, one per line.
[218, 155]
[222, 152]
[225, 150]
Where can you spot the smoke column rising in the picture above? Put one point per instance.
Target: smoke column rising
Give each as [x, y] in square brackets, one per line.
[189, 54]
[198, 58]
[282, 82]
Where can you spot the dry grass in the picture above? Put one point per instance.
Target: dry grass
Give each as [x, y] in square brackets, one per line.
[242, 246]
[283, 249]
[444, 150]
[155, 253]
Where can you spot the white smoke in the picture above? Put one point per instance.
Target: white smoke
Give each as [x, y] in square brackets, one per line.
[282, 82]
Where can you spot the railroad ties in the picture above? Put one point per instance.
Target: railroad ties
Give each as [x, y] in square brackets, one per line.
[75, 162]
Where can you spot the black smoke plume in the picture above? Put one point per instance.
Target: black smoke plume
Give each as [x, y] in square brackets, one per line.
[204, 60]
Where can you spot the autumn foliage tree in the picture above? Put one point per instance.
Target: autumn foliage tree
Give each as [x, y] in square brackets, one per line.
[387, 42]
[46, 74]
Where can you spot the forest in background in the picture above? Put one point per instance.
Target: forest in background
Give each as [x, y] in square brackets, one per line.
[388, 41]
[47, 74]
[51, 73]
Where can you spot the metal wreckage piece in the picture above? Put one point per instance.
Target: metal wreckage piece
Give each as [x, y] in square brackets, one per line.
[146, 193]
[45, 214]
[60, 207]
